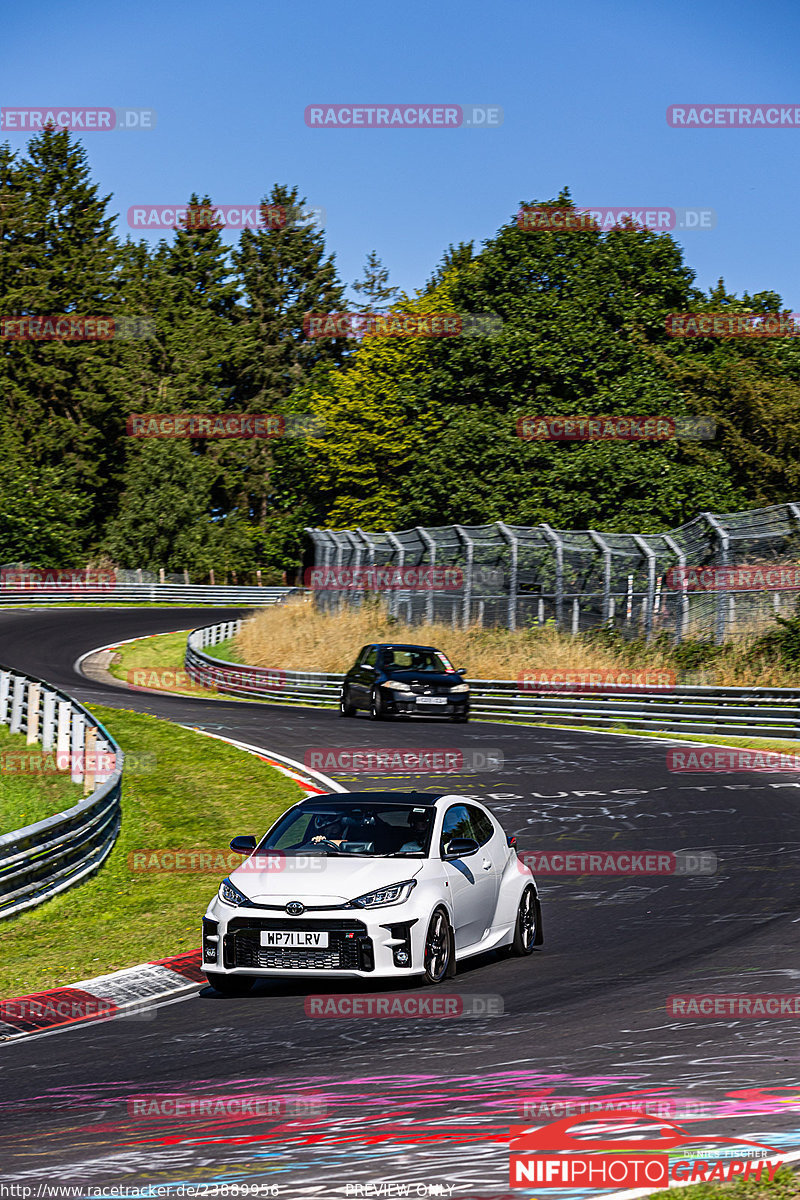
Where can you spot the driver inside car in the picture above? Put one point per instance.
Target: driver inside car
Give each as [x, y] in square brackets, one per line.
[333, 833]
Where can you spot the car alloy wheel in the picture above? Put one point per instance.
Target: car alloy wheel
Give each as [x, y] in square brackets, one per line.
[230, 985]
[525, 932]
[345, 707]
[376, 710]
[438, 948]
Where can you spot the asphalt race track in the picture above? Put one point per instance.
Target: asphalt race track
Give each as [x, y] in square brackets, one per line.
[429, 1100]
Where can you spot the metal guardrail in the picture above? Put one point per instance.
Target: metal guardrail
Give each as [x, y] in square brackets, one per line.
[753, 712]
[144, 593]
[43, 859]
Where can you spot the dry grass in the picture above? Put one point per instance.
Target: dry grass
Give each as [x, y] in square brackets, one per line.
[297, 636]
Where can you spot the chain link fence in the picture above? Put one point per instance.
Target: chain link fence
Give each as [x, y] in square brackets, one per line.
[718, 576]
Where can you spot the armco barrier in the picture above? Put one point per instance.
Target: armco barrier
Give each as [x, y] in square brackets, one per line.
[43, 859]
[759, 712]
[143, 593]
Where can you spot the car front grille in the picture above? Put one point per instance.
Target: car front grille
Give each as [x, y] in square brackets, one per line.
[349, 947]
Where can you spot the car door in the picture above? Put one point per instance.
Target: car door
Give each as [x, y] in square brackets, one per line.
[472, 880]
[362, 677]
[493, 843]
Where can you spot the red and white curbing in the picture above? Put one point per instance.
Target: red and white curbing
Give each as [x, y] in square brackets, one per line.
[134, 989]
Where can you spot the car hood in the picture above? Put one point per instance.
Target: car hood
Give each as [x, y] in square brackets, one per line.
[319, 880]
[439, 679]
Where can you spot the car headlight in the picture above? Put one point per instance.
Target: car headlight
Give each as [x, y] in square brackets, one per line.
[395, 894]
[396, 685]
[231, 894]
[460, 687]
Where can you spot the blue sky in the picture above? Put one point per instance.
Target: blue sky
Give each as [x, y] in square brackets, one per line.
[584, 88]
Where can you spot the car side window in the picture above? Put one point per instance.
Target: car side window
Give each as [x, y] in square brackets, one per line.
[362, 656]
[484, 830]
[456, 824]
[372, 657]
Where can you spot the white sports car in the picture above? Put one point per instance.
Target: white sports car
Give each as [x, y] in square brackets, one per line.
[366, 885]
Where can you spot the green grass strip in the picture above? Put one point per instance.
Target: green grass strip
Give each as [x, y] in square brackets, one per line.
[199, 794]
[24, 797]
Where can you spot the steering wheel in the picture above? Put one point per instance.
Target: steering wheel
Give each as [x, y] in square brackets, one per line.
[324, 842]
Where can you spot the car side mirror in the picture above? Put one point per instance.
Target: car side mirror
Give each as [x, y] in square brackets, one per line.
[461, 671]
[460, 848]
[245, 844]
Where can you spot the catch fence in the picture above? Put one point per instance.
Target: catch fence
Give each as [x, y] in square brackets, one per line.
[642, 585]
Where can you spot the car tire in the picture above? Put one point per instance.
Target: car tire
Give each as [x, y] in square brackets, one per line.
[526, 930]
[461, 720]
[229, 985]
[346, 708]
[376, 710]
[438, 954]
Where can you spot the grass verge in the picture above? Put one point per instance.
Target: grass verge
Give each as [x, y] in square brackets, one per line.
[200, 794]
[26, 798]
[157, 662]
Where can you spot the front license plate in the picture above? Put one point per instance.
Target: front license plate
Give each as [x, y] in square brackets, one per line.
[295, 939]
[431, 699]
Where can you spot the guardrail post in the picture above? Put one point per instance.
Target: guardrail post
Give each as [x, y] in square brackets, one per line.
[651, 584]
[558, 545]
[682, 619]
[467, 597]
[48, 720]
[16, 704]
[5, 684]
[77, 748]
[62, 737]
[89, 760]
[606, 550]
[431, 547]
[724, 546]
[394, 595]
[513, 542]
[34, 697]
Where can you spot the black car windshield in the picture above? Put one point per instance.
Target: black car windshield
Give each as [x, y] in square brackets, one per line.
[373, 830]
[415, 660]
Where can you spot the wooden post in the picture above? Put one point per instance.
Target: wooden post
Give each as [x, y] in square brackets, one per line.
[89, 760]
[160, 574]
[211, 573]
[185, 576]
[258, 577]
[34, 697]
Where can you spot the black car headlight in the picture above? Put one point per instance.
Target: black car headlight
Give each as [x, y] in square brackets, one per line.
[230, 894]
[397, 893]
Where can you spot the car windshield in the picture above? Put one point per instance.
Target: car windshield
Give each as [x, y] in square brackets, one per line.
[373, 830]
[415, 660]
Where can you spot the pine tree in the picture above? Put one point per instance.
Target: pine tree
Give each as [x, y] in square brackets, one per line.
[375, 286]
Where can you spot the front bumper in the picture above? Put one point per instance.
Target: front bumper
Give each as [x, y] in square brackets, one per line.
[405, 704]
[362, 944]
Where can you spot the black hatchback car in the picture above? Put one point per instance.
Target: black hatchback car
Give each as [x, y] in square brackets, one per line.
[391, 680]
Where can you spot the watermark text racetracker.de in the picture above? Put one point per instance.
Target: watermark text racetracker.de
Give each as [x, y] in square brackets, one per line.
[614, 428]
[440, 1004]
[737, 1004]
[42, 579]
[733, 116]
[403, 116]
[732, 325]
[619, 862]
[77, 120]
[400, 324]
[224, 216]
[372, 760]
[202, 861]
[260, 426]
[602, 219]
[189, 1106]
[722, 760]
[641, 681]
[392, 578]
[76, 762]
[772, 577]
[74, 327]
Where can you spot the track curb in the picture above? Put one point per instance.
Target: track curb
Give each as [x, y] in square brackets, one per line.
[123, 993]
